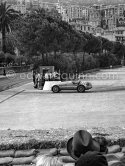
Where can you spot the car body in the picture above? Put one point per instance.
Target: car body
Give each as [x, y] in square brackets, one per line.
[80, 86]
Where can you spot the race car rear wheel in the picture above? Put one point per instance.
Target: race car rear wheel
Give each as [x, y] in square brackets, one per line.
[55, 89]
[81, 89]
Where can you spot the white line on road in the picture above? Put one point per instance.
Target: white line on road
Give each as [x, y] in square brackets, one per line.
[11, 96]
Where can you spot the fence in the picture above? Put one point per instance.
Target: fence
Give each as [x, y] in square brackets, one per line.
[16, 69]
[21, 69]
[112, 67]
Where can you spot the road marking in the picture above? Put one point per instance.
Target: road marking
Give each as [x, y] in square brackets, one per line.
[11, 96]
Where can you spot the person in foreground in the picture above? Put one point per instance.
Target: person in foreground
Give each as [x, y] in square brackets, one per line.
[83, 142]
[94, 151]
[91, 158]
[83, 150]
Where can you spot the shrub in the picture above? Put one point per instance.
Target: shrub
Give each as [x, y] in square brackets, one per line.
[2, 57]
[9, 58]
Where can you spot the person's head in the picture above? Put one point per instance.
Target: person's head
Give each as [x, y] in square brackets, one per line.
[103, 143]
[47, 160]
[91, 159]
[81, 143]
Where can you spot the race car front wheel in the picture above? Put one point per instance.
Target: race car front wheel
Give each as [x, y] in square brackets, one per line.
[55, 89]
[81, 89]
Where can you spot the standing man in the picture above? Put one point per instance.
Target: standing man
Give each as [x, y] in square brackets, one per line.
[34, 76]
[47, 76]
[38, 79]
[4, 71]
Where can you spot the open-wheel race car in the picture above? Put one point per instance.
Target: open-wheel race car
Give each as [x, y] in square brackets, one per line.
[80, 86]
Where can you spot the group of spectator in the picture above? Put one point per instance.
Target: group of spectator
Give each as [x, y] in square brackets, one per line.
[40, 78]
[84, 150]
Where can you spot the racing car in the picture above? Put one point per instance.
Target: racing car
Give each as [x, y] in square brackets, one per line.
[80, 86]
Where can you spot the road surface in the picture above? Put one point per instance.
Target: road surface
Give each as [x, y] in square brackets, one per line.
[14, 79]
[103, 106]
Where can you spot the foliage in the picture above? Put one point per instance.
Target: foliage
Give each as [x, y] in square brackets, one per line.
[44, 39]
[2, 57]
[9, 58]
[90, 62]
[108, 59]
[119, 49]
[21, 59]
[7, 14]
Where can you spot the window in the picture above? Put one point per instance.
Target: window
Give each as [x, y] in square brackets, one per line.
[117, 39]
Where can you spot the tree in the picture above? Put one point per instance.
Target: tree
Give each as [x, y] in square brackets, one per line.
[93, 44]
[7, 15]
[41, 32]
[2, 57]
[10, 44]
[21, 59]
[119, 50]
[44, 35]
[106, 45]
[9, 58]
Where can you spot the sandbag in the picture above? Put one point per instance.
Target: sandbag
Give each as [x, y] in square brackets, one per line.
[6, 160]
[7, 153]
[114, 149]
[123, 149]
[123, 159]
[64, 152]
[48, 151]
[23, 160]
[43, 151]
[25, 153]
[66, 159]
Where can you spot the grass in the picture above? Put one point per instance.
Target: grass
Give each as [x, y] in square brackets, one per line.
[46, 139]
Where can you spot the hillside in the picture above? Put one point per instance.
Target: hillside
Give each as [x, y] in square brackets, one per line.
[87, 2]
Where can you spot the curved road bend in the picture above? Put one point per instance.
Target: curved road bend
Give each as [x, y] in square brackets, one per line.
[33, 109]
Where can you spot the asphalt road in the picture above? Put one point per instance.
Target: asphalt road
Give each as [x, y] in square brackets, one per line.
[102, 106]
[14, 79]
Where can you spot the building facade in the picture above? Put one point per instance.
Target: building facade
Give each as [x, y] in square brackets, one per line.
[83, 26]
[19, 5]
[112, 13]
[62, 10]
[94, 17]
[77, 12]
[120, 34]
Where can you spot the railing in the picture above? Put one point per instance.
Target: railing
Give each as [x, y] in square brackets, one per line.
[112, 67]
[16, 69]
